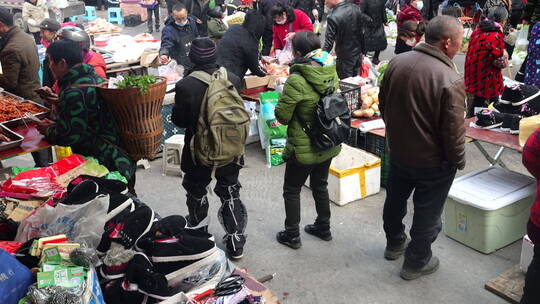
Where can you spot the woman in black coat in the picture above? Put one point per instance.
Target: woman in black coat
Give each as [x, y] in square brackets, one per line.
[374, 35]
[238, 49]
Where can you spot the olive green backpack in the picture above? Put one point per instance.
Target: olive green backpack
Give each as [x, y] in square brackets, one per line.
[223, 124]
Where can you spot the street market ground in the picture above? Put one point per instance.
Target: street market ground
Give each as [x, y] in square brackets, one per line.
[350, 268]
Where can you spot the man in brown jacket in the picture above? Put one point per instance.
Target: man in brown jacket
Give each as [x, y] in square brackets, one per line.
[19, 59]
[422, 101]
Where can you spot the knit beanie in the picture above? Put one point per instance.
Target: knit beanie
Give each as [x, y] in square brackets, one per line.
[203, 51]
[6, 17]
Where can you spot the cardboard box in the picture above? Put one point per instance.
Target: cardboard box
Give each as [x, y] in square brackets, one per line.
[150, 59]
[255, 82]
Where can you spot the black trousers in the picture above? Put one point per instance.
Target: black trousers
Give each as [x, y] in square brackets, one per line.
[431, 188]
[295, 177]
[531, 290]
[348, 67]
[267, 40]
[154, 10]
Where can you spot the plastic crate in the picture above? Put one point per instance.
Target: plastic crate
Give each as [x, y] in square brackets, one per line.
[351, 93]
[376, 145]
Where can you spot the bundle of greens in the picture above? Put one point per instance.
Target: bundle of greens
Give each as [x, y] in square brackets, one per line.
[143, 82]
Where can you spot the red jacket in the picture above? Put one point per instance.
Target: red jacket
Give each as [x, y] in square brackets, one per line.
[482, 78]
[301, 23]
[96, 60]
[409, 13]
[531, 161]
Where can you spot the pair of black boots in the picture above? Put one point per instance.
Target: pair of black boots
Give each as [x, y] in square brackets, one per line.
[150, 29]
[292, 238]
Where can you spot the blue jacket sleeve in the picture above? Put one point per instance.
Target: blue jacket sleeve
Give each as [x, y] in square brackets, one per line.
[167, 41]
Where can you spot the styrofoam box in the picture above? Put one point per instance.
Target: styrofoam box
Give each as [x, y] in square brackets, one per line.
[488, 209]
[527, 253]
[354, 174]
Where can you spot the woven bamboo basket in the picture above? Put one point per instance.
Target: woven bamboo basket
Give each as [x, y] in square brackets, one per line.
[138, 117]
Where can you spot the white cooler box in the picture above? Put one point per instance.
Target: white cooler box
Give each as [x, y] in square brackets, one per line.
[489, 209]
[354, 174]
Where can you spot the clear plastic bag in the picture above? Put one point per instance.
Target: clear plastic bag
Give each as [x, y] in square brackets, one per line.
[80, 223]
[170, 71]
[285, 56]
[202, 275]
[522, 41]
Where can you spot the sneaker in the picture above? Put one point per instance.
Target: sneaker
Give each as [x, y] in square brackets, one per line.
[169, 254]
[120, 291]
[488, 119]
[511, 123]
[235, 245]
[135, 225]
[320, 231]
[289, 240]
[141, 273]
[393, 252]
[82, 193]
[408, 273]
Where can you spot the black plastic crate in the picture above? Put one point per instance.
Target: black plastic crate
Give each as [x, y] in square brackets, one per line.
[351, 93]
[377, 145]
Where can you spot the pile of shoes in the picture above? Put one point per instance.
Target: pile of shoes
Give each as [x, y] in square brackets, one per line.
[145, 258]
[517, 101]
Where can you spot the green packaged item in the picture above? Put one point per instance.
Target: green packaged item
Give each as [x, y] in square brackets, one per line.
[270, 96]
[24, 301]
[51, 256]
[272, 128]
[274, 152]
[68, 277]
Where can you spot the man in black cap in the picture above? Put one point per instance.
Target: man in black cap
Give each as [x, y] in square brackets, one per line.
[190, 92]
[47, 31]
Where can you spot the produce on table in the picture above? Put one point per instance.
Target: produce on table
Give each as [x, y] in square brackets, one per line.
[370, 103]
[277, 70]
[101, 25]
[137, 81]
[12, 108]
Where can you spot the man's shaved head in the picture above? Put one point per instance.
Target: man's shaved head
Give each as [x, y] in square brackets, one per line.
[443, 28]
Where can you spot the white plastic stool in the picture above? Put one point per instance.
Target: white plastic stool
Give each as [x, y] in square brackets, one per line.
[172, 154]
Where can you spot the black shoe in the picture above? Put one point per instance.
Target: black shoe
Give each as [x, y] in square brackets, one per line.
[115, 262]
[172, 254]
[235, 245]
[511, 123]
[488, 119]
[150, 30]
[408, 273]
[82, 193]
[287, 239]
[394, 251]
[157, 29]
[320, 231]
[376, 61]
[149, 282]
[136, 225]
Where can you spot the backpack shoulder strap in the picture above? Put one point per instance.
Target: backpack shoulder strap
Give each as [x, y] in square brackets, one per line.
[202, 76]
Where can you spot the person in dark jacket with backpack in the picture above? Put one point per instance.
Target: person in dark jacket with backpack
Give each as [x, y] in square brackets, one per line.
[189, 96]
[239, 57]
[312, 73]
[180, 29]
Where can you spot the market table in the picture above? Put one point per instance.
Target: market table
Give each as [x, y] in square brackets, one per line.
[33, 141]
[476, 136]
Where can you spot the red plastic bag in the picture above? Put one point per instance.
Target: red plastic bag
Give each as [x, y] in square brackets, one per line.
[10, 246]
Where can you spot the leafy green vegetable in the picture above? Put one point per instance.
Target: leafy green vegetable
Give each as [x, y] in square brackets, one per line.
[137, 81]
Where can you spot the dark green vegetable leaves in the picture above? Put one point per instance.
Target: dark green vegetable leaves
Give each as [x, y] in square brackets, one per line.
[137, 81]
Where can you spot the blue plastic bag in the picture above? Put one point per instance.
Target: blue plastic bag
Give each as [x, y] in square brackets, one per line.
[14, 279]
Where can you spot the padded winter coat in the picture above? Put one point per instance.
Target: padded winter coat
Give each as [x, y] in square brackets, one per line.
[300, 22]
[374, 34]
[302, 92]
[176, 40]
[238, 57]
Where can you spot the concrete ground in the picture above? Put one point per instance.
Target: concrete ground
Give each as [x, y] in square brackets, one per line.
[350, 268]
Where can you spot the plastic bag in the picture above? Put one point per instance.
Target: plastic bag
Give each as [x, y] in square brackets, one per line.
[285, 56]
[15, 279]
[271, 126]
[201, 275]
[522, 41]
[170, 71]
[80, 223]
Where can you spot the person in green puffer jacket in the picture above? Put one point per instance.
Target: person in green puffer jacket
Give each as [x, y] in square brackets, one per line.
[313, 74]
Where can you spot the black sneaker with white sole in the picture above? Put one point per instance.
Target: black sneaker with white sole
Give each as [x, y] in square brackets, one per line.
[135, 225]
[511, 123]
[235, 245]
[488, 119]
[169, 254]
[288, 239]
[115, 262]
[141, 273]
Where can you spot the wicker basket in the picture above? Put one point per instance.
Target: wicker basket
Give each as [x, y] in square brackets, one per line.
[138, 117]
